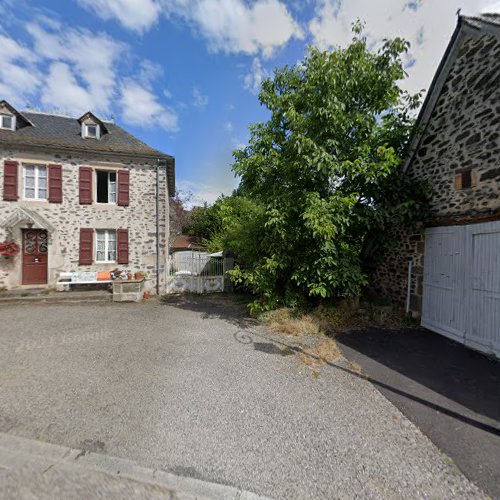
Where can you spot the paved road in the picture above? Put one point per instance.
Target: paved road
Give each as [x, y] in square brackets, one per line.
[192, 389]
[450, 392]
[32, 469]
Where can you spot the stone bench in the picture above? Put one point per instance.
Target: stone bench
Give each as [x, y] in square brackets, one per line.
[67, 280]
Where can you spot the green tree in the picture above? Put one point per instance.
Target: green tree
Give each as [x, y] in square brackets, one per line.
[323, 173]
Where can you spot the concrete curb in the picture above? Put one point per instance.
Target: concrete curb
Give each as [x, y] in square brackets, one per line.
[17, 453]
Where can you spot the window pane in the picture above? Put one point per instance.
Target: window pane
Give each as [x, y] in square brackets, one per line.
[100, 256]
[42, 194]
[29, 192]
[29, 182]
[42, 172]
[30, 171]
[6, 121]
[112, 187]
[101, 236]
[102, 186]
[111, 245]
[42, 182]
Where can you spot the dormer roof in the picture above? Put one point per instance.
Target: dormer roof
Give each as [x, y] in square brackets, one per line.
[22, 121]
[89, 116]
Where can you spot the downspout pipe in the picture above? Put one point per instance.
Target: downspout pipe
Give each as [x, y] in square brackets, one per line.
[408, 291]
[158, 227]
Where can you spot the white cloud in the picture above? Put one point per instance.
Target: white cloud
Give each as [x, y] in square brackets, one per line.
[206, 192]
[199, 99]
[63, 92]
[228, 127]
[73, 70]
[149, 71]
[426, 24]
[256, 75]
[137, 15]
[141, 107]
[231, 26]
[92, 57]
[234, 26]
[19, 79]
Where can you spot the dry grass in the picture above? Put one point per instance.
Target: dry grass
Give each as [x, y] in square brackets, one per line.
[325, 322]
[328, 351]
[288, 322]
[328, 320]
[291, 323]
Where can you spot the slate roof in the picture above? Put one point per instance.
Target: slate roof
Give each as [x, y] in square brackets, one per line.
[65, 133]
[487, 18]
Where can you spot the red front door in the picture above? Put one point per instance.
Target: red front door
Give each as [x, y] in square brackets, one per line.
[34, 257]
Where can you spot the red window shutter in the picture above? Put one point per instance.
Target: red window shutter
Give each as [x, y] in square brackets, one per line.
[55, 184]
[10, 181]
[85, 186]
[123, 187]
[122, 244]
[86, 246]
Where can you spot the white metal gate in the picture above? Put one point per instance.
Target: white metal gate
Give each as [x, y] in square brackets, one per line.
[462, 284]
[195, 272]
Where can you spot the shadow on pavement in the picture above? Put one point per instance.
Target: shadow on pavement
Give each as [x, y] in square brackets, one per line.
[442, 365]
[449, 391]
[230, 308]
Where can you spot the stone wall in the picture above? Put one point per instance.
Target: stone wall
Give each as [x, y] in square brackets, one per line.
[459, 155]
[69, 216]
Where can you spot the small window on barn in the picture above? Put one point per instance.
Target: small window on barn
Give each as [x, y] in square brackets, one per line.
[106, 186]
[464, 180]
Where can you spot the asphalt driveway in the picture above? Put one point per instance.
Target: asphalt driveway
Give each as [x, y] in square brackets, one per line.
[450, 392]
[192, 388]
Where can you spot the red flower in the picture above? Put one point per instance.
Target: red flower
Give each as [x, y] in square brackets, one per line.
[9, 248]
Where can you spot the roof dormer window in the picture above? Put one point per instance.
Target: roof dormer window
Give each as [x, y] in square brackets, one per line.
[7, 122]
[92, 127]
[91, 131]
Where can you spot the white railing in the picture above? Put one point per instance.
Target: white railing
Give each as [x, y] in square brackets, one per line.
[195, 264]
[195, 272]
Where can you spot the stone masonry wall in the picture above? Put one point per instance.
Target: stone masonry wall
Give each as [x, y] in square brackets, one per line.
[462, 137]
[69, 216]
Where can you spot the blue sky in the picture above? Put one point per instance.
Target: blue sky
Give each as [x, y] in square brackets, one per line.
[183, 75]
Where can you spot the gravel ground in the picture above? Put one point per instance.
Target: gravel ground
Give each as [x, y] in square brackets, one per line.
[192, 388]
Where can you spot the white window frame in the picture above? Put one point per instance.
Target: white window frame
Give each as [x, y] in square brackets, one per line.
[36, 187]
[108, 172]
[85, 131]
[12, 123]
[106, 233]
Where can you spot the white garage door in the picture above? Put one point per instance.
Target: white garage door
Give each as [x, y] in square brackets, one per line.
[462, 284]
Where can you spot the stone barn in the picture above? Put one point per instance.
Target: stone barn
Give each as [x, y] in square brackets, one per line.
[455, 260]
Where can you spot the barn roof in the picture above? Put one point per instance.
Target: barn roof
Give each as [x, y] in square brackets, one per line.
[467, 26]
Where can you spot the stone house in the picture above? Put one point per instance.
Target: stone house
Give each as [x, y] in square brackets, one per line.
[454, 280]
[80, 195]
